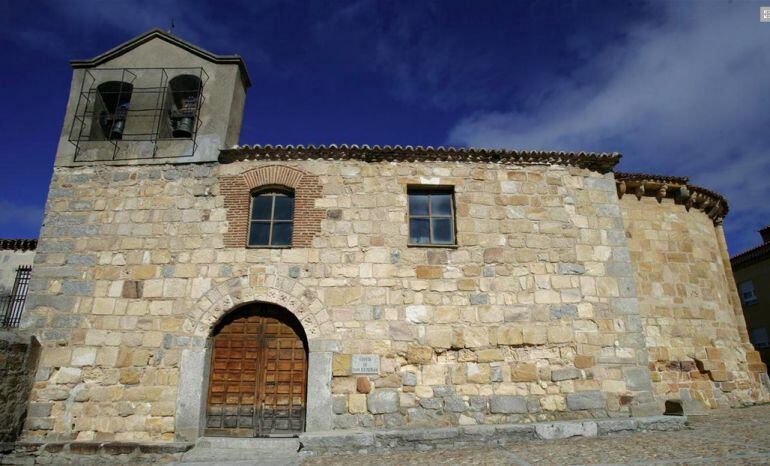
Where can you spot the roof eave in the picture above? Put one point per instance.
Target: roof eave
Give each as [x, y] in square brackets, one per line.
[711, 202]
[602, 162]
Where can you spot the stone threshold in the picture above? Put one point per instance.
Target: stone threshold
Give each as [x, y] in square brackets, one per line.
[360, 441]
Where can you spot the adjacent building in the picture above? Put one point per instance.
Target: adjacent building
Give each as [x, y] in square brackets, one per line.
[16, 257]
[185, 286]
[752, 274]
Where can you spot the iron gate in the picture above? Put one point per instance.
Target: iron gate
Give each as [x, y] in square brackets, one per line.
[11, 306]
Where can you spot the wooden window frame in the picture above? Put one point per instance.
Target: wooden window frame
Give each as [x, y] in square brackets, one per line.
[430, 190]
[272, 221]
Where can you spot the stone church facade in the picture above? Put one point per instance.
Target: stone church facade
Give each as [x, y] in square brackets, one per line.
[379, 287]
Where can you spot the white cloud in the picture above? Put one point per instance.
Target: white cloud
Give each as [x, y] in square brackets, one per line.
[686, 95]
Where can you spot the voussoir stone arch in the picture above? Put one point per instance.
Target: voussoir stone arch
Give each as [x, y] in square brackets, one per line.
[282, 291]
[237, 191]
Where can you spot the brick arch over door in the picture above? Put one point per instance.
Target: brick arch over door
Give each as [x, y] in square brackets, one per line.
[237, 193]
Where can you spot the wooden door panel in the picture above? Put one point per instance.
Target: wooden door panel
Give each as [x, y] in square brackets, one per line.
[258, 378]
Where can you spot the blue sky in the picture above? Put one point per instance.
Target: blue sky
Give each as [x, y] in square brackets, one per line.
[680, 88]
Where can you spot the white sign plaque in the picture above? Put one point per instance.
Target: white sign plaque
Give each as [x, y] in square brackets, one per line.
[365, 364]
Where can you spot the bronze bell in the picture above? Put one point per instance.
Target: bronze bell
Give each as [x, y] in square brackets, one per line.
[183, 127]
[184, 117]
[117, 129]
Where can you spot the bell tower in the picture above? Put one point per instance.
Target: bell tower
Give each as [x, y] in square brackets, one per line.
[154, 99]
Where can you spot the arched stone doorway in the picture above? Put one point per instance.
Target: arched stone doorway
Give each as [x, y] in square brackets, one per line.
[257, 384]
[232, 296]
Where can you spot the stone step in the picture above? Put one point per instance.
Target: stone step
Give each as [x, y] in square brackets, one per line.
[238, 456]
[276, 445]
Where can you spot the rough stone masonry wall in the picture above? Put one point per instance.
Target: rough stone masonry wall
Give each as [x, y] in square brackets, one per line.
[533, 316]
[18, 359]
[697, 355]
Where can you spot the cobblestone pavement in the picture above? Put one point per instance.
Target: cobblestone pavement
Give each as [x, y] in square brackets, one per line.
[739, 436]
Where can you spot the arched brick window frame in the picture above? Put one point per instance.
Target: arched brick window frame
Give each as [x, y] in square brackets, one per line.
[237, 193]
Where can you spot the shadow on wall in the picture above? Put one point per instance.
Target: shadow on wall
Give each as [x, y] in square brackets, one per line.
[19, 355]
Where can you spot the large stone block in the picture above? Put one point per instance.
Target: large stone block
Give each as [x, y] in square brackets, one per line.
[584, 362]
[560, 334]
[419, 314]
[557, 430]
[357, 403]
[534, 335]
[83, 356]
[418, 354]
[341, 365]
[429, 271]
[586, 400]
[434, 374]
[478, 373]
[507, 404]
[455, 404]
[439, 337]
[475, 337]
[567, 373]
[637, 378]
[39, 409]
[489, 355]
[383, 401]
[524, 372]
[509, 336]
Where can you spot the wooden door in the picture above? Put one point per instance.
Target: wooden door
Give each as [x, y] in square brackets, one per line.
[258, 376]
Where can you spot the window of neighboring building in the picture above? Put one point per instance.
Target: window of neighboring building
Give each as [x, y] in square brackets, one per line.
[747, 293]
[759, 337]
[272, 218]
[431, 216]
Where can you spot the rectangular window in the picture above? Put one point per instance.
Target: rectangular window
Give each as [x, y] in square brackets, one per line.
[272, 219]
[759, 337]
[746, 290]
[431, 216]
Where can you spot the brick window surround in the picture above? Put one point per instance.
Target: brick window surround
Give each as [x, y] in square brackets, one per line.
[237, 193]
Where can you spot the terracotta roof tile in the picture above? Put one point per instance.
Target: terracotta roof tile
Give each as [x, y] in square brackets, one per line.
[751, 256]
[603, 162]
[18, 244]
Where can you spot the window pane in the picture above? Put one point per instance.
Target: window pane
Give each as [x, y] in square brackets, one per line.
[442, 231]
[258, 235]
[260, 207]
[759, 337]
[441, 204]
[282, 234]
[418, 204]
[746, 286]
[284, 208]
[418, 231]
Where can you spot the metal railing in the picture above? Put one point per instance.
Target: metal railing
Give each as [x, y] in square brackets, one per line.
[11, 306]
[133, 113]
